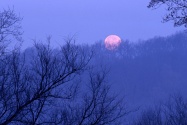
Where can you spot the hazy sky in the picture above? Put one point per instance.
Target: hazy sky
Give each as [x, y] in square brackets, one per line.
[89, 20]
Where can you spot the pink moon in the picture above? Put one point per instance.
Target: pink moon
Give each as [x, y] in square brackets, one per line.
[112, 42]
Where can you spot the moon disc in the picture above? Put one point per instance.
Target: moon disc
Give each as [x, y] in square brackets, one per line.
[112, 42]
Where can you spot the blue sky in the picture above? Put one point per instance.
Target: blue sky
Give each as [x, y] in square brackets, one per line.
[89, 20]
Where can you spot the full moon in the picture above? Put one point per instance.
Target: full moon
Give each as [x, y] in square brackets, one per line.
[112, 42]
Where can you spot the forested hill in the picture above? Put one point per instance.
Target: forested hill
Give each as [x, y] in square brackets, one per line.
[147, 71]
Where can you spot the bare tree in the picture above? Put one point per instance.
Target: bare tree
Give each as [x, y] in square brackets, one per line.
[97, 106]
[177, 10]
[28, 86]
[10, 28]
[172, 112]
[175, 111]
[150, 117]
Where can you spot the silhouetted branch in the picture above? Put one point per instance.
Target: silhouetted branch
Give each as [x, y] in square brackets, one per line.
[28, 86]
[96, 106]
[177, 10]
